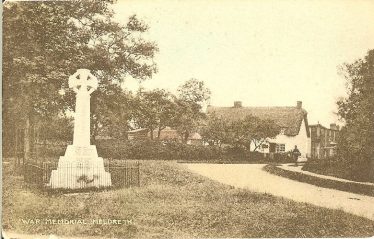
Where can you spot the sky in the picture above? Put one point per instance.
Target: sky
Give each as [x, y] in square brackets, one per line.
[260, 52]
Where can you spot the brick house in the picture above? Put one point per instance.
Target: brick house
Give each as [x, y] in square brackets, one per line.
[323, 140]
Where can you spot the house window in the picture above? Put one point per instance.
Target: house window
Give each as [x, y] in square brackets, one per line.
[280, 148]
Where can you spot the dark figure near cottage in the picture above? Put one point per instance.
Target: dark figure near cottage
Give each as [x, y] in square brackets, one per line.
[296, 153]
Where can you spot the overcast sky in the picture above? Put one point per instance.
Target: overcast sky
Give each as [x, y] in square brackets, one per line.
[263, 53]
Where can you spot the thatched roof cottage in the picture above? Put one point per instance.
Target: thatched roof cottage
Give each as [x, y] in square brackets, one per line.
[293, 121]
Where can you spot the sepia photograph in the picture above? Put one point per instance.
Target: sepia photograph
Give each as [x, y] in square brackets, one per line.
[187, 119]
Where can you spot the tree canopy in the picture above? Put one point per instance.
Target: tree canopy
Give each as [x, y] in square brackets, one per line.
[47, 41]
[191, 97]
[357, 110]
[240, 133]
[154, 109]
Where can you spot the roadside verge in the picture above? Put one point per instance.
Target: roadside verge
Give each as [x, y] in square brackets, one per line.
[352, 187]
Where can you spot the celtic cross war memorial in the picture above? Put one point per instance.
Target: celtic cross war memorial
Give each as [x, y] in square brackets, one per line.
[81, 167]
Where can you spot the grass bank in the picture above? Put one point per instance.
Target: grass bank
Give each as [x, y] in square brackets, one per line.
[362, 171]
[322, 182]
[173, 202]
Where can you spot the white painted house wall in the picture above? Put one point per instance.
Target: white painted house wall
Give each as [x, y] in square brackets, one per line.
[301, 140]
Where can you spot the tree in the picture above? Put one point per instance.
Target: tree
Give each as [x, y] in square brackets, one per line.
[55, 130]
[192, 95]
[356, 144]
[45, 42]
[264, 129]
[216, 130]
[154, 109]
[242, 132]
[195, 91]
[111, 112]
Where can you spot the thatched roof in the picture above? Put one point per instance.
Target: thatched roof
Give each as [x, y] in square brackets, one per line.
[288, 118]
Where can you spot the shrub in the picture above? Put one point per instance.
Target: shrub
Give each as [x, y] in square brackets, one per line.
[150, 149]
[342, 168]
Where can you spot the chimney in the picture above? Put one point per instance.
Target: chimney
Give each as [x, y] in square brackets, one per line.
[299, 104]
[237, 104]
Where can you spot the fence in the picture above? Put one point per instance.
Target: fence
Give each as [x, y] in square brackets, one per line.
[76, 176]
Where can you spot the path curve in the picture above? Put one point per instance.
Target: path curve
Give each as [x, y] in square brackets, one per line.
[252, 177]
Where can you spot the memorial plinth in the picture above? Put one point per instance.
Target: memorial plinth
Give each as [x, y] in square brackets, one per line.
[81, 167]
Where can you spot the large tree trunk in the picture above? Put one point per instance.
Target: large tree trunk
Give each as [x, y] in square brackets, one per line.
[27, 140]
[185, 136]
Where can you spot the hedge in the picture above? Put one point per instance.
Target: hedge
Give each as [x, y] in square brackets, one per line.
[322, 182]
[356, 170]
[153, 149]
[150, 149]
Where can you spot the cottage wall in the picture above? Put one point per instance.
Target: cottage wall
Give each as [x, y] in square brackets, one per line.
[301, 140]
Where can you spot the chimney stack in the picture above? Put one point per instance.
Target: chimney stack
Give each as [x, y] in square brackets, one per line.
[299, 104]
[237, 104]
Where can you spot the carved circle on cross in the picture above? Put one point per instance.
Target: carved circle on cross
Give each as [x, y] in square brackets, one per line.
[83, 81]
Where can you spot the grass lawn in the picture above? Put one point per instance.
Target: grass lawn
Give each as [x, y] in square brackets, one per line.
[322, 182]
[172, 202]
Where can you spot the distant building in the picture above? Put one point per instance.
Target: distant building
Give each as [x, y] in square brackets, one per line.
[293, 121]
[323, 140]
[137, 134]
[195, 139]
[167, 134]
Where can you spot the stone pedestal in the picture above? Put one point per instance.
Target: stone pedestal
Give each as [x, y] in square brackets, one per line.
[80, 168]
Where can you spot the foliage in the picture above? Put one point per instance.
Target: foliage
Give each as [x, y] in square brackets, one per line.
[356, 141]
[157, 109]
[191, 97]
[57, 129]
[151, 149]
[169, 150]
[188, 118]
[45, 42]
[216, 130]
[240, 133]
[154, 109]
[339, 167]
[111, 111]
[195, 91]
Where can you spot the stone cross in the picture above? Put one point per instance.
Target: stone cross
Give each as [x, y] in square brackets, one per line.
[83, 83]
